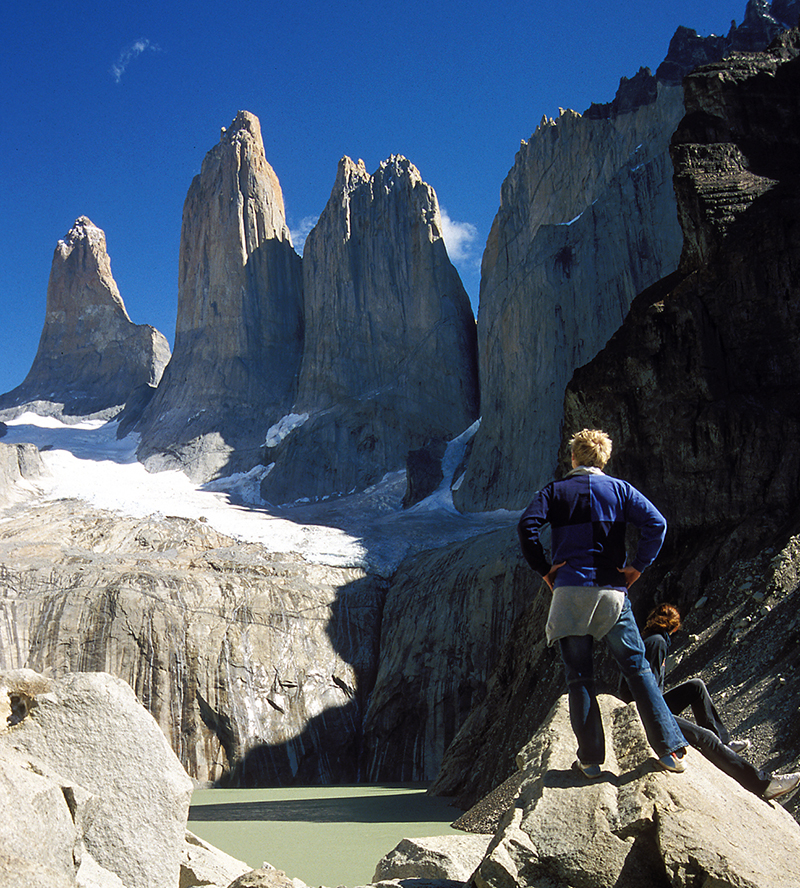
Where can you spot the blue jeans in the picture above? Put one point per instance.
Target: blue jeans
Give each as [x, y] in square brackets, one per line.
[627, 647]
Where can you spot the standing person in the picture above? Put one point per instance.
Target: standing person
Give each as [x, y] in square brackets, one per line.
[588, 513]
[709, 735]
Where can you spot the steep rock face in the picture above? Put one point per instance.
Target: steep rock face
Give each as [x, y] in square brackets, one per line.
[390, 357]
[446, 615]
[701, 392]
[702, 383]
[587, 220]
[256, 667]
[239, 330]
[91, 356]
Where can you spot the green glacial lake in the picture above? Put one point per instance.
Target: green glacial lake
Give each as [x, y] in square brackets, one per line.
[324, 835]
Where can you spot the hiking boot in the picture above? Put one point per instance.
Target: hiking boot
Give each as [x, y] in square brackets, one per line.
[590, 771]
[781, 785]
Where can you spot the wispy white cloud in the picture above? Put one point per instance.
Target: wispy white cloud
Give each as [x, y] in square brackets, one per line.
[461, 240]
[129, 54]
[300, 233]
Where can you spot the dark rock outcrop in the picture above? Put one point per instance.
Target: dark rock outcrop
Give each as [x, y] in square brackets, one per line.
[239, 330]
[91, 355]
[390, 358]
[702, 383]
[700, 389]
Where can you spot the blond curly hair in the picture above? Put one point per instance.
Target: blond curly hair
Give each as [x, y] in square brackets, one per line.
[591, 447]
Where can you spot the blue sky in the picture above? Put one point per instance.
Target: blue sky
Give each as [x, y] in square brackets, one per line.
[108, 108]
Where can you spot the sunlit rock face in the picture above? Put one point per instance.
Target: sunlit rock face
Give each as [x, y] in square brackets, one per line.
[239, 330]
[91, 356]
[390, 355]
[587, 219]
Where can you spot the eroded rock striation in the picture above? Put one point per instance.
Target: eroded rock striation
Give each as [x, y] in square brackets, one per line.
[257, 667]
[239, 329]
[91, 356]
[390, 358]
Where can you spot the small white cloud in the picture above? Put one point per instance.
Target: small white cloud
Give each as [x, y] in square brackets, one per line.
[129, 54]
[300, 233]
[461, 239]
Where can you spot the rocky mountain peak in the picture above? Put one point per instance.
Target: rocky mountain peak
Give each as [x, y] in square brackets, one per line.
[390, 357]
[91, 356]
[243, 125]
[349, 176]
[239, 328]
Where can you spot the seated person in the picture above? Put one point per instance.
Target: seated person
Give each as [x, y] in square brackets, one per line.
[709, 735]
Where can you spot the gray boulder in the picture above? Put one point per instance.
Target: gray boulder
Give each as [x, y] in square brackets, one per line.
[91, 355]
[635, 825]
[454, 858]
[116, 791]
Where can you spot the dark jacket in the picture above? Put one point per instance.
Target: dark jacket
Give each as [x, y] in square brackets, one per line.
[588, 513]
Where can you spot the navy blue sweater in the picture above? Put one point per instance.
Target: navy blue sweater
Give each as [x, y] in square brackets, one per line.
[588, 514]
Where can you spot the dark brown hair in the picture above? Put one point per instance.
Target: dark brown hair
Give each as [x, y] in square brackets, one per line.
[662, 618]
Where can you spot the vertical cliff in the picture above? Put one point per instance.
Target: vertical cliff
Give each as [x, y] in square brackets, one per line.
[587, 219]
[702, 382]
[390, 356]
[91, 355]
[239, 330]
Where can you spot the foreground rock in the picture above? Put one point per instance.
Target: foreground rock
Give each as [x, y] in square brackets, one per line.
[91, 356]
[239, 329]
[454, 858]
[92, 789]
[636, 825]
[390, 357]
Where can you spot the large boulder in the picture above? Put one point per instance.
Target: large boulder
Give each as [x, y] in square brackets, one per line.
[390, 356]
[453, 858]
[107, 783]
[635, 825]
[91, 356]
[239, 328]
